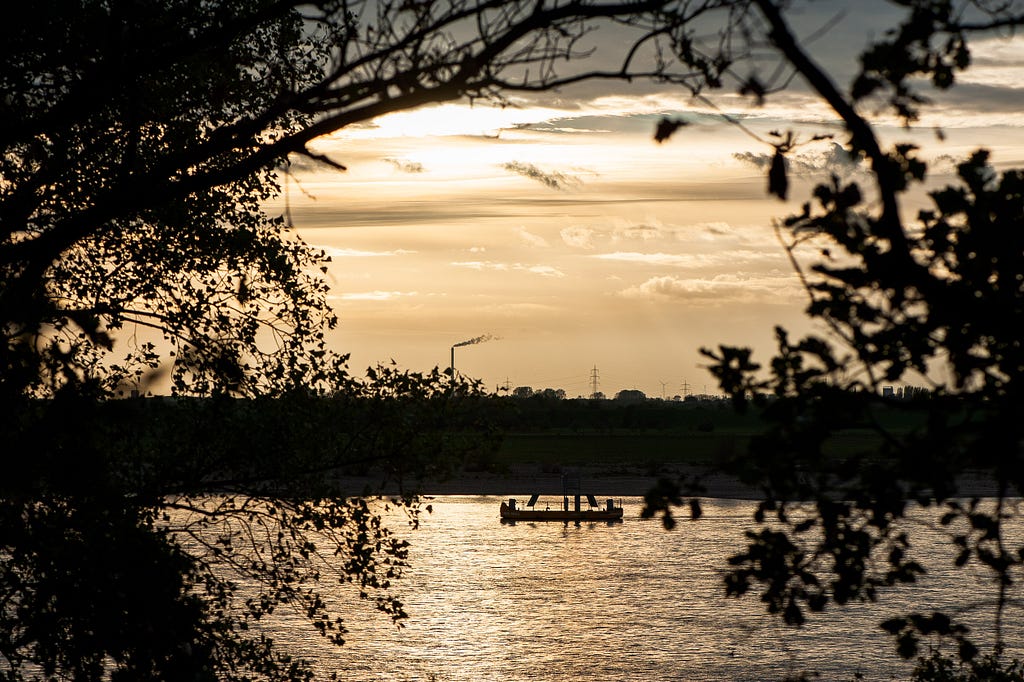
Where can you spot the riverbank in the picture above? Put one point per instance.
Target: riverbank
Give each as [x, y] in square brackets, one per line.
[524, 480]
[528, 479]
[613, 481]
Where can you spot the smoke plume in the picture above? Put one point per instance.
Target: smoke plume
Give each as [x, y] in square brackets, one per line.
[479, 339]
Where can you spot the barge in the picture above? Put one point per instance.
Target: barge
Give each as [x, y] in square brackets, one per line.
[511, 511]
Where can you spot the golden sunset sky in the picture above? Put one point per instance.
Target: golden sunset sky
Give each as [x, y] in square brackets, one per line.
[561, 227]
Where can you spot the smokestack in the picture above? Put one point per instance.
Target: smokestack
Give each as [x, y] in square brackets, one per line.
[471, 342]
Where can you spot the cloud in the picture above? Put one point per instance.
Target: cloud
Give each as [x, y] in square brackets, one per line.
[373, 295]
[833, 158]
[532, 239]
[543, 270]
[567, 125]
[405, 166]
[582, 237]
[578, 237]
[480, 265]
[776, 287]
[673, 259]
[641, 232]
[523, 309]
[553, 180]
[335, 252]
[715, 229]
[729, 258]
[975, 105]
[995, 62]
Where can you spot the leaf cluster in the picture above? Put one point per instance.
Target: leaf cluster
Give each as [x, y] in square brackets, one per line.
[934, 302]
[149, 538]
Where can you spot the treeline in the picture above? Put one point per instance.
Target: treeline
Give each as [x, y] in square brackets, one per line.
[149, 447]
[158, 445]
[540, 412]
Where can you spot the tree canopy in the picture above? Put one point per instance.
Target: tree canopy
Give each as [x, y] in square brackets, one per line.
[140, 144]
[931, 297]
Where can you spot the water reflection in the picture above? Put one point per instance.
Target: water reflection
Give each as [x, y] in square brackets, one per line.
[554, 600]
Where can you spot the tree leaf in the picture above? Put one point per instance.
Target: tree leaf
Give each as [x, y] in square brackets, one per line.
[778, 183]
[667, 127]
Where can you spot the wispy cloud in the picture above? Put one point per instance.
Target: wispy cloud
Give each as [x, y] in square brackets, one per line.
[523, 309]
[578, 237]
[405, 166]
[373, 295]
[480, 265]
[553, 180]
[673, 259]
[544, 270]
[775, 287]
[996, 63]
[833, 158]
[648, 231]
[335, 252]
[682, 260]
[531, 239]
[640, 232]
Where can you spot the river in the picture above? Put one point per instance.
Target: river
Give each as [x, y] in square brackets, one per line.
[623, 601]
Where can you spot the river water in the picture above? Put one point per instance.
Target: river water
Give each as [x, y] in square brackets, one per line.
[624, 601]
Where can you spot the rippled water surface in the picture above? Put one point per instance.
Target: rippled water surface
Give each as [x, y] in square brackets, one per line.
[628, 601]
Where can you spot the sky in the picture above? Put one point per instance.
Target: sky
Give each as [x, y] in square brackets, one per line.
[561, 231]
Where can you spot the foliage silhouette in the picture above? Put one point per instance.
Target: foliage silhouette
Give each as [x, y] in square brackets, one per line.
[140, 144]
[933, 301]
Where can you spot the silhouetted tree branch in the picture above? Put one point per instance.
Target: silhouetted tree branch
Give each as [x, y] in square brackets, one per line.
[930, 300]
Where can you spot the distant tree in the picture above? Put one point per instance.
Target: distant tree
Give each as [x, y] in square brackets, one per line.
[552, 394]
[934, 298]
[522, 392]
[630, 395]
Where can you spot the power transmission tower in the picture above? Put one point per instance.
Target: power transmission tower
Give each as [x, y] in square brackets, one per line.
[663, 385]
[685, 389]
[593, 383]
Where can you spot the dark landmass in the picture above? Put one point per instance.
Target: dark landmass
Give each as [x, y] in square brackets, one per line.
[601, 481]
[527, 479]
